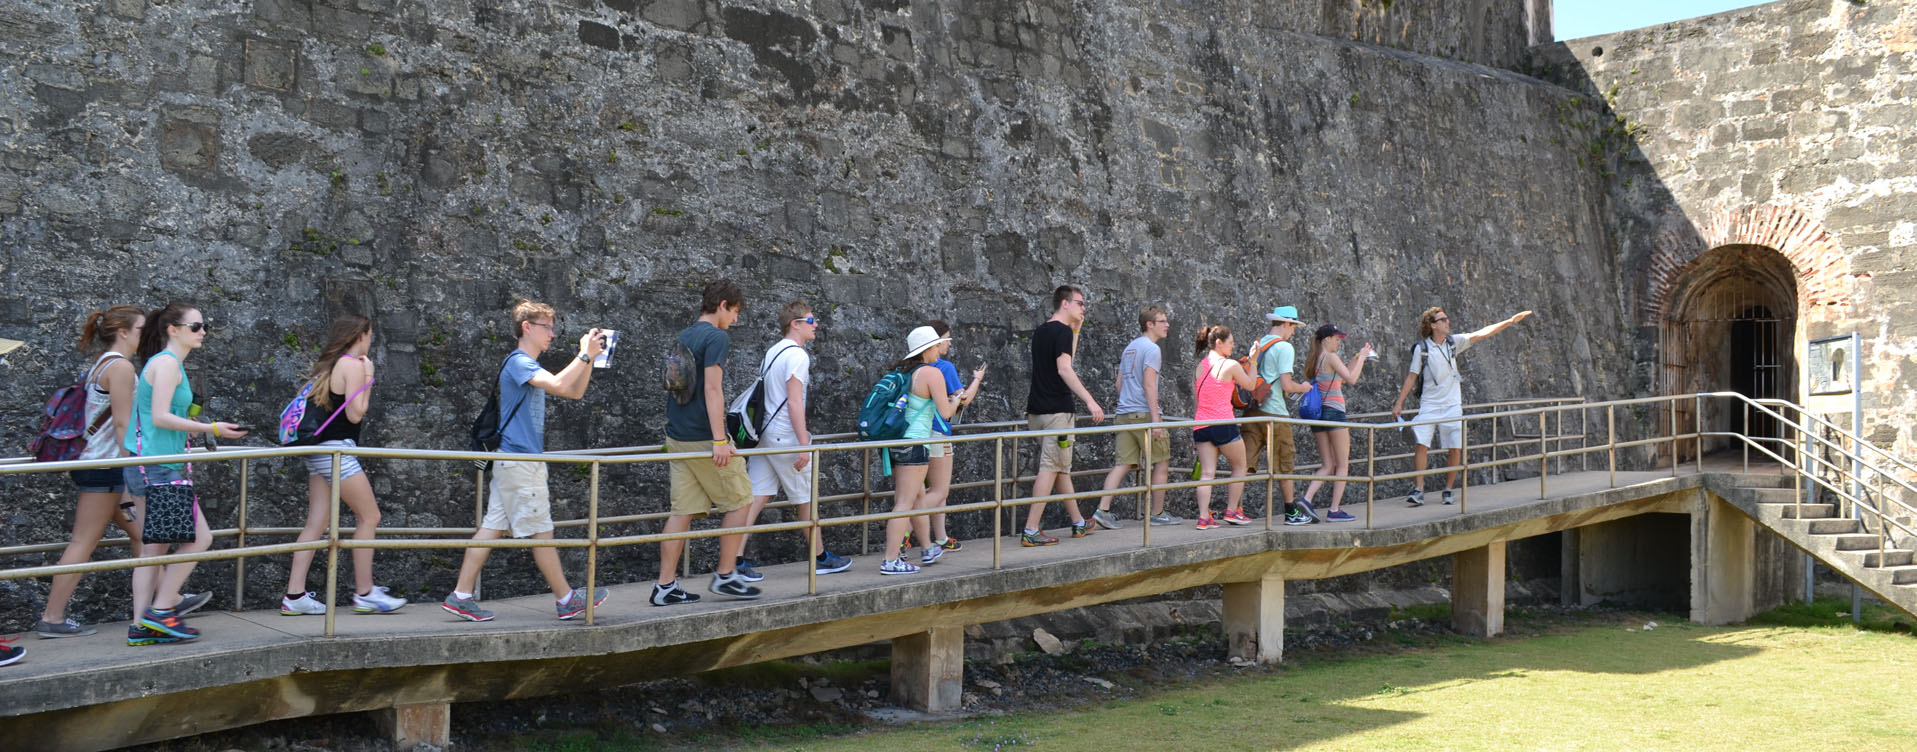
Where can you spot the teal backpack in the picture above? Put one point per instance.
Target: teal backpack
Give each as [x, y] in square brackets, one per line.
[882, 416]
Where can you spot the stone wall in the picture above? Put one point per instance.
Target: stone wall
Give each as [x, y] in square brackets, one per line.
[1786, 126]
[279, 161]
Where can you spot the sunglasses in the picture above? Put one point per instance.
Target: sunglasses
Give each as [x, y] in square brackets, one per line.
[1440, 319]
[197, 327]
[808, 320]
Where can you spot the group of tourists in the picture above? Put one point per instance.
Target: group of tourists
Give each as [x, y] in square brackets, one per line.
[139, 402]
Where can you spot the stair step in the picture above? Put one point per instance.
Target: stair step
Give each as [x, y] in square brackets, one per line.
[1832, 526]
[1891, 558]
[1902, 575]
[1857, 542]
[1765, 480]
[1771, 495]
[1811, 511]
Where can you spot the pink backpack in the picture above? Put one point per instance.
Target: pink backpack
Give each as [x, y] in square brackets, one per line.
[63, 428]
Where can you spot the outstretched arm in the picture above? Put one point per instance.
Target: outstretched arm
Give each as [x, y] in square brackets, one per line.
[1500, 326]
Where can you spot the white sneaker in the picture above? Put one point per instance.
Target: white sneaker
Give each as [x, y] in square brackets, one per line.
[377, 602]
[305, 604]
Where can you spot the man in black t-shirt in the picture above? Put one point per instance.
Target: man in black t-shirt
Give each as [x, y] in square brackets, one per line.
[1048, 406]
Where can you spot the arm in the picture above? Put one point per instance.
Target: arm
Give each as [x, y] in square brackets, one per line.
[1151, 398]
[795, 410]
[1290, 385]
[940, 400]
[970, 392]
[1237, 374]
[357, 374]
[1410, 380]
[571, 381]
[722, 450]
[120, 385]
[1349, 374]
[1070, 377]
[1500, 326]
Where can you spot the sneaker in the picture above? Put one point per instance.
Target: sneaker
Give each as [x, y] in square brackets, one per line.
[1298, 518]
[671, 595]
[1081, 529]
[377, 602]
[1105, 520]
[950, 544]
[1167, 518]
[745, 571]
[1448, 498]
[168, 623]
[576, 603]
[911, 541]
[10, 653]
[1338, 515]
[465, 608]
[1235, 517]
[137, 635]
[64, 628]
[900, 566]
[305, 604]
[1305, 507]
[1036, 539]
[930, 556]
[831, 563]
[732, 586]
[191, 603]
[1207, 523]
[1415, 498]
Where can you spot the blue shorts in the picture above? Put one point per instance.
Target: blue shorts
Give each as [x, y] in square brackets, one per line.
[912, 455]
[1216, 435]
[99, 480]
[155, 475]
[1332, 414]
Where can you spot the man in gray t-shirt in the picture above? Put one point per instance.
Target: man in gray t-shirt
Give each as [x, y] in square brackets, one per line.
[1138, 370]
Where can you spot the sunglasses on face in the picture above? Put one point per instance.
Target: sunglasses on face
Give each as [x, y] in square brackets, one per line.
[1440, 319]
[814, 320]
[197, 327]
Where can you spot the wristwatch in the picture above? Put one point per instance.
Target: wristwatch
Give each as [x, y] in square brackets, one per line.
[584, 358]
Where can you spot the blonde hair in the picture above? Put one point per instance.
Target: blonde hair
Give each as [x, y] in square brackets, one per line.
[340, 337]
[527, 310]
[1425, 321]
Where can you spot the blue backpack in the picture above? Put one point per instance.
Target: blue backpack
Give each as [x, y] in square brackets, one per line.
[1312, 405]
[882, 416]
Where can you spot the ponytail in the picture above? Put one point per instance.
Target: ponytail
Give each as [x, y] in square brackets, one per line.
[153, 338]
[1208, 336]
[102, 327]
[1311, 360]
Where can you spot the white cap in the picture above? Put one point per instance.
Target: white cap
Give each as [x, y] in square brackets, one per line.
[922, 338]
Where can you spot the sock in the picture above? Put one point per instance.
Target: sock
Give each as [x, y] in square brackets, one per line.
[1029, 531]
[295, 596]
[462, 596]
[569, 594]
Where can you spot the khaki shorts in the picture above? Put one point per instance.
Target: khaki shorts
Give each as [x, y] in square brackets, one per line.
[1128, 441]
[700, 487]
[519, 503]
[1284, 451]
[1051, 456]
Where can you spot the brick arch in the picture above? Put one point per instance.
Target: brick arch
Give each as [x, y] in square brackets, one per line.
[1812, 253]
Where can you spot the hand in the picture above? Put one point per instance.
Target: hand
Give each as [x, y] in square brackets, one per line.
[594, 343]
[722, 453]
[804, 459]
[1397, 410]
[1522, 315]
[978, 374]
[1159, 433]
[367, 364]
[1366, 350]
[225, 430]
[1098, 413]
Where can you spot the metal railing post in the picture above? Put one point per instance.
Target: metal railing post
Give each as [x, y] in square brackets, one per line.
[998, 499]
[332, 550]
[1544, 459]
[479, 519]
[239, 565]
[592, 541]
[865, 506]
[1610, 441]
[1584, 439]
[1497, 472]
[1674, 437]
[1464, 460]
[1371, 472]
[1697, 424]
[1747, 435]
[1145, 502]
[814, 535]
[1271, 469]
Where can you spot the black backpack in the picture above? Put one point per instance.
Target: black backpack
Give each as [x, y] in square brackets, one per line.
[487, 431]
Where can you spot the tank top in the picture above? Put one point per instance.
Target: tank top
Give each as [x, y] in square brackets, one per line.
[100, 444]
[146, 439]
[1332, 387]
[342, 427]
[919, 412]
[1214, 392]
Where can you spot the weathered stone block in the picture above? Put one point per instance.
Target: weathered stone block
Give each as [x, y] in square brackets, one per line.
[189, 143]
[684, 15]
[599, 35]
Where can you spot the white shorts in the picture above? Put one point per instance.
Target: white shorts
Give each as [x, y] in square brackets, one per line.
[322, 464]
[1450, 435]
[772, 472]
[520, 502]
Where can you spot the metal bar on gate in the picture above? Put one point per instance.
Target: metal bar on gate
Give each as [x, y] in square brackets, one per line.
[239, 567]
[1673, 438]
[592, 541]
[332, 550]
[1697, 425]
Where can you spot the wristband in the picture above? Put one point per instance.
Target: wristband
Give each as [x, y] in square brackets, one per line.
[216, 429]
[718, 442]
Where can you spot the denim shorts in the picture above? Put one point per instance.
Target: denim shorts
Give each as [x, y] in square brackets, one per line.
[99, 480]
[155, 475]
[912, 455]
[1332, 414]
[1216, 435]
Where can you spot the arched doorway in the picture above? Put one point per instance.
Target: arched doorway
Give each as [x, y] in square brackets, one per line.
[1730, 326]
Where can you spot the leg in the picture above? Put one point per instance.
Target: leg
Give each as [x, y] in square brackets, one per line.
[1161, 474]
[1456, 459]
[1420, 459]
[174, 577]
[1041, 486]
[731, 546]
[1064, 484]
[145, 579]
[356, 493]
[670, 551]
[1323, 439]
[475, 558]
[547, 560]
[1207, 469]
[753, 511]
[1341, 454]
[1112, 481]
[909, 480]
[319, 502]
[89, 522]
[938, 486]
[1235, 493]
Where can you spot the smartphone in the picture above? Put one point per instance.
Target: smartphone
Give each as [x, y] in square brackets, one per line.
[605, 356]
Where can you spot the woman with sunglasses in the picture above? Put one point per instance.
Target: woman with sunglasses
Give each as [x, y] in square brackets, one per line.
[160, 427]
[1330, 373]
[109, 385]
[939, 479]
[342, 381]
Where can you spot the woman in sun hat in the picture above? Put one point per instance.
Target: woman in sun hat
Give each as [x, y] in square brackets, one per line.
[925, 399]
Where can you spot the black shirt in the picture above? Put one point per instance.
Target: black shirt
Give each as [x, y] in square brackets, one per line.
[1049, 393]
[342, 426]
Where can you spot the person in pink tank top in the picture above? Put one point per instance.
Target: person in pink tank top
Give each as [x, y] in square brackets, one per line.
[1218, 374]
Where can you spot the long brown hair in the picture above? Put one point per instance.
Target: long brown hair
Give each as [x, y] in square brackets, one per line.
[1208, 336]
[1311, 360]
[102, 327]
[340, 337]
[153, 337]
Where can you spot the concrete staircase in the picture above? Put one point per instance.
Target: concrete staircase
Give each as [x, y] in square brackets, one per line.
[1868, 558]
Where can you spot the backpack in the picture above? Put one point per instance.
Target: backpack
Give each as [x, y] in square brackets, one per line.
[746, 418]
[1312, 405]
[1253, 363]
[487, 431]
[882, 415]
[1422, 351]
[302, 427]
[681, 372]
[63, 428]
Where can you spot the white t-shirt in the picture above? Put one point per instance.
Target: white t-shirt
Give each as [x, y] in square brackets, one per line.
[1443, 388]
[785, 361]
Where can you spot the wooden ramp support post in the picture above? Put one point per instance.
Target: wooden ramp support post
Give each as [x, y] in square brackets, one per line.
[1254, 619]
[411, 725]
[928, 669]
[1477, 591]
[1723, 563]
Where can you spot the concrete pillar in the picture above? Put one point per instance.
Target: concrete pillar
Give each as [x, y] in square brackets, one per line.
[1723, 563]
[411, 725]
[928, 669]
[1254, 619]
[1568, 581]
[1477, 591]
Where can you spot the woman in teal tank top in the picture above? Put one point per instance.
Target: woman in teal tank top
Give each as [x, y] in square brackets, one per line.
[926, 398]
[171, 334]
